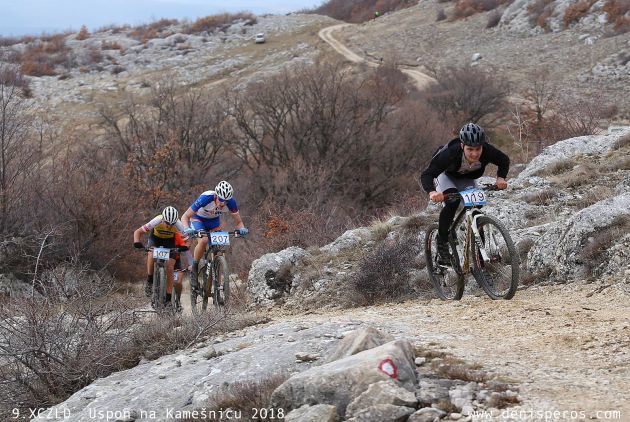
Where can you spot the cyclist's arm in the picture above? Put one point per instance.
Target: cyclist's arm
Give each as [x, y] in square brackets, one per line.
[186, 217]
[146, 228]
[137, 235]
[238, 220]
[437, 166]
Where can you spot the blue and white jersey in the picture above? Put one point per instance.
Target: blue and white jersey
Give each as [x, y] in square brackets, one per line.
[205, 206]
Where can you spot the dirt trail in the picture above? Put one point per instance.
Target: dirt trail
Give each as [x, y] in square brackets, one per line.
[422, 80]
[566, 348]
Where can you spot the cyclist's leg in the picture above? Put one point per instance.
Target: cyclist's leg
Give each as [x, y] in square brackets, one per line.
[445, 184]
[199, 223]
[170, 267]
[148, 286]
[177, 277]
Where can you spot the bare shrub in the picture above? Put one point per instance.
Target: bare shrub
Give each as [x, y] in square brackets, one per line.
[157, 29]
[383, 275]
[465, 8]
[469, 93]
[441, 15]
[453, 368]
[17, 152]
[41, 57]
[494, 18]
[48, 354]
[83, 34]
[118, 69]
[112, 45]
[81, 331]
[544, 197]
[244, 397]
[576, 11]
[616, 11]
[622, 142]
[592, 255]
[220, 22]
[361, 10]
[539, 11]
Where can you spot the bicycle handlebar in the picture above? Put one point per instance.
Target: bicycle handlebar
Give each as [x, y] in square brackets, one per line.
[176, 249]
[203, 233]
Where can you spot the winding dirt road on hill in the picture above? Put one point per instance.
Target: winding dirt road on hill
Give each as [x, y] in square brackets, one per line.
[421, 80]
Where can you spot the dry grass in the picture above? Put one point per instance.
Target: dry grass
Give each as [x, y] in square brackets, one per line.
[580, 175]
[557, 167]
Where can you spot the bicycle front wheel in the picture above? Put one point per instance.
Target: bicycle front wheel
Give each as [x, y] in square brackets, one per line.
[221, 286]
[447, 280]
[499, 273]
[159, 287]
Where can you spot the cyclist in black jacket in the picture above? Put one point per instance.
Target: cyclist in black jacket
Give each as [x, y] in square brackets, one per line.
[455, 167]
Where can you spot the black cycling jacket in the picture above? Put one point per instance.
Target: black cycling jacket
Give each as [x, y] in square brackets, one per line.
[450, 160]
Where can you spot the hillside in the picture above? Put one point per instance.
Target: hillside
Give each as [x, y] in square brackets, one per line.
[584, 59]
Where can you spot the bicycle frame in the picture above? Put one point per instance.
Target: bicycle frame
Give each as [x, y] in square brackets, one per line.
[471, 214]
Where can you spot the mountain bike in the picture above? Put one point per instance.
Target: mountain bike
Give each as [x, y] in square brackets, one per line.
[161, 257]
[480, 245]
[213, 275]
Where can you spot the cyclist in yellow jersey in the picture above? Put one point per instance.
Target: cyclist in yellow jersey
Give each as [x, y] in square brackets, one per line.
[162, 231]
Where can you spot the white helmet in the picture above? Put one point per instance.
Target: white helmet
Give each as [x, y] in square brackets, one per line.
[224, 190]
[170, 215]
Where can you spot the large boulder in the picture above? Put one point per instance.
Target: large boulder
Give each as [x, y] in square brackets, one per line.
[339, 382]
[381, 393]
[349, 240]
[560, 247]
[569, 148]
[11, 287]
[364, 338]
[270, 276]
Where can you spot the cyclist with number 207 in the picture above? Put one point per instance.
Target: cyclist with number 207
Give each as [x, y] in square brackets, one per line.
[205, 214]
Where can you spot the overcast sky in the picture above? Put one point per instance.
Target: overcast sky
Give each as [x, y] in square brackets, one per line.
[21, 17]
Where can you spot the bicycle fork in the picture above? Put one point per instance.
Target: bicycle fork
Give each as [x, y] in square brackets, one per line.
[473, 234]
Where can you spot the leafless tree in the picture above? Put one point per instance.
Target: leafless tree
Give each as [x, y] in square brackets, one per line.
[469, 94]
[16, 151]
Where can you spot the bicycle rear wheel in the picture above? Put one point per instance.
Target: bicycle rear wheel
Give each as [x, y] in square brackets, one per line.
[447, 280]
[499, 274]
